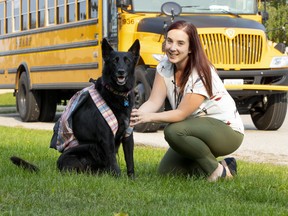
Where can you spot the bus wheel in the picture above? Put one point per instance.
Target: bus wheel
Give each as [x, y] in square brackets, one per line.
[142, 92]
[48, 106]
[27, 101]
[270, 113]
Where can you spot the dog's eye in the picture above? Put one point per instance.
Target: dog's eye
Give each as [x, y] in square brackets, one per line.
[127, 60]
[116, 60]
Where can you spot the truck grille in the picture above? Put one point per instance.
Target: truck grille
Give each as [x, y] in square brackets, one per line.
[242, 49]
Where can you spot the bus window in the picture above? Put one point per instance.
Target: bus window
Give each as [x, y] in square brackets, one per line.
[1, 18]
[60, 12]
[112, 20]
[51, 9]
[41, 13]
[16, 15]
[93, 8]
[32, 14]
[9, 17]
[24, 15]
[81, 10]
[70, 10]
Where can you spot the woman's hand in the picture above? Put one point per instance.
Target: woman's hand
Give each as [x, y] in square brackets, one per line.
[138, 117]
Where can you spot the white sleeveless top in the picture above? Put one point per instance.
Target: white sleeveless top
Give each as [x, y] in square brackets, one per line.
[220, 106]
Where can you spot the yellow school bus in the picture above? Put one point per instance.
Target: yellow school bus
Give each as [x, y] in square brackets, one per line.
[48, 50]
[51, 48]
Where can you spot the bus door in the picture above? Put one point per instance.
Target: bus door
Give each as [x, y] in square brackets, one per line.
[110, 22]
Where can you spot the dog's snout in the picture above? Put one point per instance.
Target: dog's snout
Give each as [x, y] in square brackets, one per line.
[121, 71]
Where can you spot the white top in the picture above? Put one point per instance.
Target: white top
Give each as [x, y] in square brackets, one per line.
[220, 106]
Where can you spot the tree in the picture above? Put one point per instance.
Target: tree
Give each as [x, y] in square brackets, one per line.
[277, 3]
[278, 17]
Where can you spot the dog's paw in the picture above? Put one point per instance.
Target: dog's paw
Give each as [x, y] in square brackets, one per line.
[131, 176]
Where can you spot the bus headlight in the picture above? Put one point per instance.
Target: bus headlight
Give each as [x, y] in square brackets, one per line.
[279, 62]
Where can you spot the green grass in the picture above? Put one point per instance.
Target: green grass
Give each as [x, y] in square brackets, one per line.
[7, 100]
[259, 189]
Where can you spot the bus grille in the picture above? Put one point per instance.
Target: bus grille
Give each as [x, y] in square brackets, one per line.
[242, 49]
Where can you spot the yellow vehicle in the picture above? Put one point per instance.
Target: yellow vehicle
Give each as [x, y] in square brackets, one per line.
[50, 49]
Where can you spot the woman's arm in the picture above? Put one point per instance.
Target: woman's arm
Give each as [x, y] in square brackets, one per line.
[157, 96]
[188, 105]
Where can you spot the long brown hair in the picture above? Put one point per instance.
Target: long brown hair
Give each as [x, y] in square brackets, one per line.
[197, 57]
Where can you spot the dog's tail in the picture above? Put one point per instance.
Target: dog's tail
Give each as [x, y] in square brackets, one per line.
[24, 164]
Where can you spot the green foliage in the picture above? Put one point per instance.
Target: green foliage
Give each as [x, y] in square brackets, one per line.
[7, 99]
[259, 189]
[277, 3]
[278, 16]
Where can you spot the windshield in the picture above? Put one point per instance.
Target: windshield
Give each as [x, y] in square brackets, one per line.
[200, 6]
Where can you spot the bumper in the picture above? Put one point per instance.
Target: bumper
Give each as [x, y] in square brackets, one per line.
[257, 82]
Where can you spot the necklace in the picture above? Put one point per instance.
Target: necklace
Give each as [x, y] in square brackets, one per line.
[177, 94]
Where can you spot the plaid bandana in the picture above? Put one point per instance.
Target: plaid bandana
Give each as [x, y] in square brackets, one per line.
[66, 138]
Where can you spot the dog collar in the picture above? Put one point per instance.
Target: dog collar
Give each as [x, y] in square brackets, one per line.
[123, 94]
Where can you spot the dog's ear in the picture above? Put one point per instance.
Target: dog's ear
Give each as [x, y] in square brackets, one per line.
[106, 49]
[135, 49]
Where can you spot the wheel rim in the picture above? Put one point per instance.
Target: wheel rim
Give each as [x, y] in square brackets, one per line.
[22, 100]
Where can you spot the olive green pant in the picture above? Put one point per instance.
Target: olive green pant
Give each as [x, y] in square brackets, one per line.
[195, 143]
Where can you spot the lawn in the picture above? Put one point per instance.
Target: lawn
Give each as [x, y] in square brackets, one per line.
[7, 100]
[259, 189]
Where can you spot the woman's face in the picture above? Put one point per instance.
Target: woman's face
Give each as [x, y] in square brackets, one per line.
[177, 47]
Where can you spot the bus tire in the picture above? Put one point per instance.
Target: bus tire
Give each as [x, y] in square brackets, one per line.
[142, 92]
[271, 113]
[48, 106]
[27, 100]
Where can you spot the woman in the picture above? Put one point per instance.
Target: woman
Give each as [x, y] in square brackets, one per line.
[204, 121]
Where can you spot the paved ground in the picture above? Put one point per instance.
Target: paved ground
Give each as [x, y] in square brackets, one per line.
[3, 91]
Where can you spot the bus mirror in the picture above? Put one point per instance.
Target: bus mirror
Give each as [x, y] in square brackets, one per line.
[123, 3]
[281, 47]
[265, 16]
[171, 9]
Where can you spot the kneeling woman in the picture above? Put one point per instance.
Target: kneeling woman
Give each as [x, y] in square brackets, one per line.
[204, 121]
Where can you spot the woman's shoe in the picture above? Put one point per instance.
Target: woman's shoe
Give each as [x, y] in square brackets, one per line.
[231, 164]
[215, 176]
[224, 173]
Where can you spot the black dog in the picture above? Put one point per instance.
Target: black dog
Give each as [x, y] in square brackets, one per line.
[93, 146]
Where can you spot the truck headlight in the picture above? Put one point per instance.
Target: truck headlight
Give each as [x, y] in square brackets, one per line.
[279, 62]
